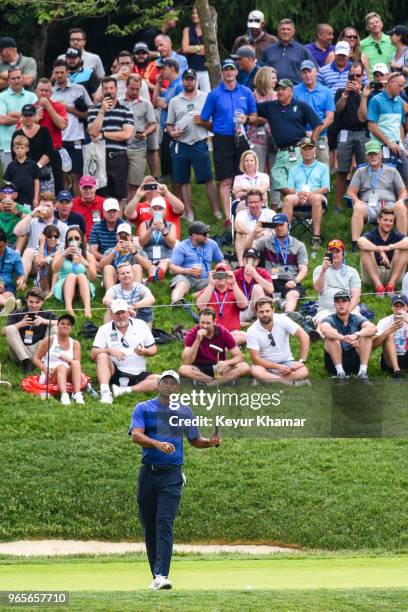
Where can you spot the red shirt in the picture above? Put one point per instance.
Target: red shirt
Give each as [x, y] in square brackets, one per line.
[92, 212]
[46, 121]
[205, 354]
[143, 212]
[226, 308]
[246, 287]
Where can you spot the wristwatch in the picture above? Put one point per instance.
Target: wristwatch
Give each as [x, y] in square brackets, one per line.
[302, 361]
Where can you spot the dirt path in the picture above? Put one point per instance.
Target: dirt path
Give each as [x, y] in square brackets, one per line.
[45, 548]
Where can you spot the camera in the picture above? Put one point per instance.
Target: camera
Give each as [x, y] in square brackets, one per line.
[150, 187]
[220, 275]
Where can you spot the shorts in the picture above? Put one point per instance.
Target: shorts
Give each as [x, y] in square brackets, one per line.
[137, 166]
[117, 171]
[354, 146]
[372, 211]
[133, 379]
[152, 141]
[350, 360]
[183, 156]
[402, 362]
[205, 368]
[145, 314]
[227, 155]
[332, 133]
[322, 155]
[281, 167]
[323, 313]
[279, 287]
[383, 273]
[165, 159]
[285, 363]
[75, 153]
[247, 315]
[192, 281]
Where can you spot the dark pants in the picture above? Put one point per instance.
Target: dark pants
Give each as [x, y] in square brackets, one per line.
[158, 496]
[56, 165]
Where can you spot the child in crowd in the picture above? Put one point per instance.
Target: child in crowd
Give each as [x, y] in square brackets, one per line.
[24, 173]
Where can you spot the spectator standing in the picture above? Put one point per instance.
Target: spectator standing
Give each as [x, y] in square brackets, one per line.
[399, 61]
[164, 46]
[24, 173]
[192, 46]
[248, 66]
[377, 46]
[77, 40]
[10, 58]
[78, 74]
[256, 36]
[260, 136]
[321, 48]
[11, 266]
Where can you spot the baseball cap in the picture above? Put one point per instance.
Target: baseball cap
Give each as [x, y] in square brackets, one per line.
[124, 227]
[158, 201]
[382, 68]
[399, 297]
[227, 63]
[279, 219]
[336, 243]
[118, 305]
[399, 30]
[71, 52]
[29, 110]
[8, 187]
[342, 295]
[87, 181]
[307, 65]
[64, 195]
[342, 48]
[190, 73]
[140, 46]
[222, 266]
[111, 204]
[306, 142]
[170, 373]
[244, 51]
[284, 83]
[168, 61]
[198, 227]
[372, 147]
[251, 253]
[255, 18]
[6, 42]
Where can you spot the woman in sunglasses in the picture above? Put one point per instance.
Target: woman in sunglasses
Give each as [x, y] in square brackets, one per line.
[48, 247]
[76, 269]
[351, 36]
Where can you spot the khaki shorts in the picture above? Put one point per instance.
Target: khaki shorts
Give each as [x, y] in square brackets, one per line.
[137, 166]
[383, 273]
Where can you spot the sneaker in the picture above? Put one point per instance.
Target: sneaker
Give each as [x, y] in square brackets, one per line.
[316, 242]
[65, 401]
[363, 377]
[380, 291]
[218, 215]
[161, 582]
[9, 306]
[78, 398]
[178, 303]
[118, 391]
[160, 274]
[397, 376]
[389, 289]
[341, 376]
[302, 383]
[106, 397]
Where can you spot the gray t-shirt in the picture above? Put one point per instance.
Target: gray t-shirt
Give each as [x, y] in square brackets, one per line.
[386, 183]
[342, 279]
[131, 296]
[75, 128]
[181, 115]
[27, 65]
[143, 114]
[286, 257]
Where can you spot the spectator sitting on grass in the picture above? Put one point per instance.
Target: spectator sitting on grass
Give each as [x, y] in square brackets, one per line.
[11, 213]
[11, 265]
[191, 262]
[392, 336]
[123, 251]
[254, 282]
[48, 248]
[103, 233]
[138, 297]
[246, 220]
[268, 345]
[204, 364]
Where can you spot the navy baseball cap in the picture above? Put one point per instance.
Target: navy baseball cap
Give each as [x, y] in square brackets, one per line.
[342, 295]
[168, 61]
[279, 219]
[227, 63]
[399, 298]
[71, 52]
[307, 65]
[6, 42]
[190, 73]
[28, 110]
[251, 253]
[198, 227]
[64, 195]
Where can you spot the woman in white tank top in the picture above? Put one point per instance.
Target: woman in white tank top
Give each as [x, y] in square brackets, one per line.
[64, 355]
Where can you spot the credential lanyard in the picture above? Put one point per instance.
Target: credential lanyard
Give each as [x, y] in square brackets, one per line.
[220, 304]
[283, 250]
[374, 179]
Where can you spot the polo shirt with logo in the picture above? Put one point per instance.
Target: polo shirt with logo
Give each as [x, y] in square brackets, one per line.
[221, 104]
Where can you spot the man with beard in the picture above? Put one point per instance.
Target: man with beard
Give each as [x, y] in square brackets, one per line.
[79, 75]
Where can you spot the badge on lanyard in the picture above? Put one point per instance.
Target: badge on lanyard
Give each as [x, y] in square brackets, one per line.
[275, 273]
[28, 336]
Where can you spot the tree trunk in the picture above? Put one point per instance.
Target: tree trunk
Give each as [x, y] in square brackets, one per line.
[40, 39]
[208, 21]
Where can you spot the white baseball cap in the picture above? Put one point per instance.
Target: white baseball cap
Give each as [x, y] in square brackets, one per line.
[111, 204]
[255, 18]
[118, 305]
[342, 48]
[383, 68]
[171, 373]
[124, 227]
[158, 201]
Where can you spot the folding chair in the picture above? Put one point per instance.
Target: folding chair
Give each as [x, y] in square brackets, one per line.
[302, 218]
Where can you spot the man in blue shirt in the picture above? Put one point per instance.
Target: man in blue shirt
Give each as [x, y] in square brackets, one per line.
[191, 262]
[247, 64]
[164, 46]
[308, 185]
[322, 47]
[227, 109]
[335, 75]
[103, 233]
[287, 54]
[321, 100]
[10, 265]
[158, 425]
[348, 340]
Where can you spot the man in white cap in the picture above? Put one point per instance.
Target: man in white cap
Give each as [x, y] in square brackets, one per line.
[120, 349]
[103, 234]
[256, 36]
[158, 427]
[124, 251]
[374, 87]
[335, 75]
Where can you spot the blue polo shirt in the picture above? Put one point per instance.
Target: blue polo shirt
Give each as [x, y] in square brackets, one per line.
[287, 60]
[12, 101]
[10, 265]
[330, 76]
[185, 254]
[160, 422]
[221, 104]
[316, 176]
[354, 324]
[102, 236]
[319, 55]
[173, 89]
[388, 114]
[288, 123]
[320, 99]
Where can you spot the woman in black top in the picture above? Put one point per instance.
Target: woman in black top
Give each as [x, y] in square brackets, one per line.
[192, 46]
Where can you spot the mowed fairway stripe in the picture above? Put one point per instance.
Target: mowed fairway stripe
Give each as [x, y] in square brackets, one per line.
[381, 572]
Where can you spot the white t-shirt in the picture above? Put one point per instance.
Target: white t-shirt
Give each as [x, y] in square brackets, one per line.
[109, 336]
[400, 336]
[258, 339]
[245, 217]
[404, 288]
[342, 279]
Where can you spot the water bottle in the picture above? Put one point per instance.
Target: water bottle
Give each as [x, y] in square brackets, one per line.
[238, 127]
[91, 391]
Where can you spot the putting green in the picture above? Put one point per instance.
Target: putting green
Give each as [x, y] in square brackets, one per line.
[332, 573]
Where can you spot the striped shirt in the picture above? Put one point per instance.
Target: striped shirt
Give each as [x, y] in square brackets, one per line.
[331, 77]
[103, 237]
[113, 121]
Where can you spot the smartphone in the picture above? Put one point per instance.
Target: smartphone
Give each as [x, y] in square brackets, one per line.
[108, 97]
[158, 215]
[351, 77]
[399, 317]
[31, 316]
[220, 275]
[329, 255]
[267, 224]
[150, 186]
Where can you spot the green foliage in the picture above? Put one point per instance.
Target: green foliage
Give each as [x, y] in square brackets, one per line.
[141, 14]
[18, 12]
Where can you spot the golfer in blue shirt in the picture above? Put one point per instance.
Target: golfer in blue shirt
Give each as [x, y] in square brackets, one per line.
[158, 426]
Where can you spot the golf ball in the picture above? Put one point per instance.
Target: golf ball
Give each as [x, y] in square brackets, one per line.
[249, 587]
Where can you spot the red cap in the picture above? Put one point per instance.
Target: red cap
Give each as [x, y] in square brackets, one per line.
[223, 266]
[87, 181]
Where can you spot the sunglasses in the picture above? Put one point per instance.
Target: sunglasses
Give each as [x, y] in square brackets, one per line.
[350, 36]
[272, 339]
[77, 238]
[124, 342]
[377, 46]
[53, 237]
